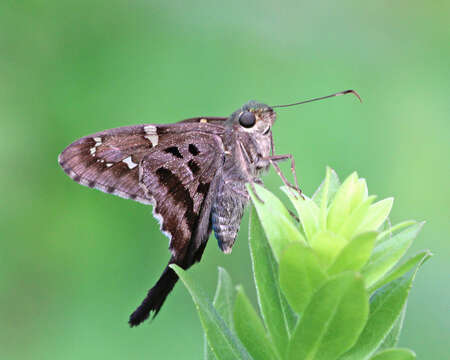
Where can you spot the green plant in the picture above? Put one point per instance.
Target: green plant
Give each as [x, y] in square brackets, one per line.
[328, 289]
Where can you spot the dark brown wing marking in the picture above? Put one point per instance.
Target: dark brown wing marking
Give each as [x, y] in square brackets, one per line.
[179, 182]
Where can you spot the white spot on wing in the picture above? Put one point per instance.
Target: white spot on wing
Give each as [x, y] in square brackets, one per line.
[150, 130]
[98, 141]
[129, 162]
[109, 165]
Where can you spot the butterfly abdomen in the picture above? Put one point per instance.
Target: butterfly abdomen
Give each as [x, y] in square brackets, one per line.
[227, 212]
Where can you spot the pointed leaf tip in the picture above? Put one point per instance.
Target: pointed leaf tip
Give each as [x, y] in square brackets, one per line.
[307, 210]
[388, 251]
[394, 354]
[327, 189]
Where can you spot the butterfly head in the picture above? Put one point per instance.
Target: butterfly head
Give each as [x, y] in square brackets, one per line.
[253, 117]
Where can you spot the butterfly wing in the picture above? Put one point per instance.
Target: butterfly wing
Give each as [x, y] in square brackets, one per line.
[176, 168]
[209, 120]
[108, 160]
[181, 175]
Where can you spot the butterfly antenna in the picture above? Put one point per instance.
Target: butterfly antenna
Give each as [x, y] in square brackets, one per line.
[321, 98]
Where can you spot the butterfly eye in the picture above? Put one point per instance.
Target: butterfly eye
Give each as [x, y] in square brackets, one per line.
[247, 119]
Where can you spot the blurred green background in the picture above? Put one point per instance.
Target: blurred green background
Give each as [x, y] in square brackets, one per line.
[75, 262]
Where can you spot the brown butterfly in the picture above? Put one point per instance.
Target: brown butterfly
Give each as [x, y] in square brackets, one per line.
[194, 174]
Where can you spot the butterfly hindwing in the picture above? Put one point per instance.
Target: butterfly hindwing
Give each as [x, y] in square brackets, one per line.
[181, 175]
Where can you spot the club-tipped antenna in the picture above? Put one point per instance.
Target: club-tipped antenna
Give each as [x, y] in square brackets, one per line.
[321, 98]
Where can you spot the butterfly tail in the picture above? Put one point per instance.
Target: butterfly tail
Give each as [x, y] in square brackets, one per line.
[157, 294]
[155, 297]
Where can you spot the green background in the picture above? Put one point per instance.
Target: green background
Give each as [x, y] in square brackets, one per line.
[75, 262]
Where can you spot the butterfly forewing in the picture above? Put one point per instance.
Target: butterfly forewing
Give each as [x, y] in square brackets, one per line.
[109, 160]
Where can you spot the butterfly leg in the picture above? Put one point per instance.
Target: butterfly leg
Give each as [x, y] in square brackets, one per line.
[273, 161]
[295, 217]
[251, 181]
[252, 186]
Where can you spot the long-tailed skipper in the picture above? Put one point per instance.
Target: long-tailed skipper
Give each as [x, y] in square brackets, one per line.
[192, 172]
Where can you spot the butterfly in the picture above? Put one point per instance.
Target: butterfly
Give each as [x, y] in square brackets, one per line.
[194, 174]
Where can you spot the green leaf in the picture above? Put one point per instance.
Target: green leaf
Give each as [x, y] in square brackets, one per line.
[402, 269]
[332, 321]
[392, 338]
[376, 215]
[355, 254]
[223, 303]
[300, 275]
[355, 219]
[388, 252]
[291, 316]
[327, 245]
[273, 309]
[209, 355]
[307, 210]
[349, 196]
[251, 330]
[223, 299]
[275, 219]
[386, 307]
[395, 354]
[224, 344]
[325, 194]
[340, 206]
[388, 233]
[359, 194]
